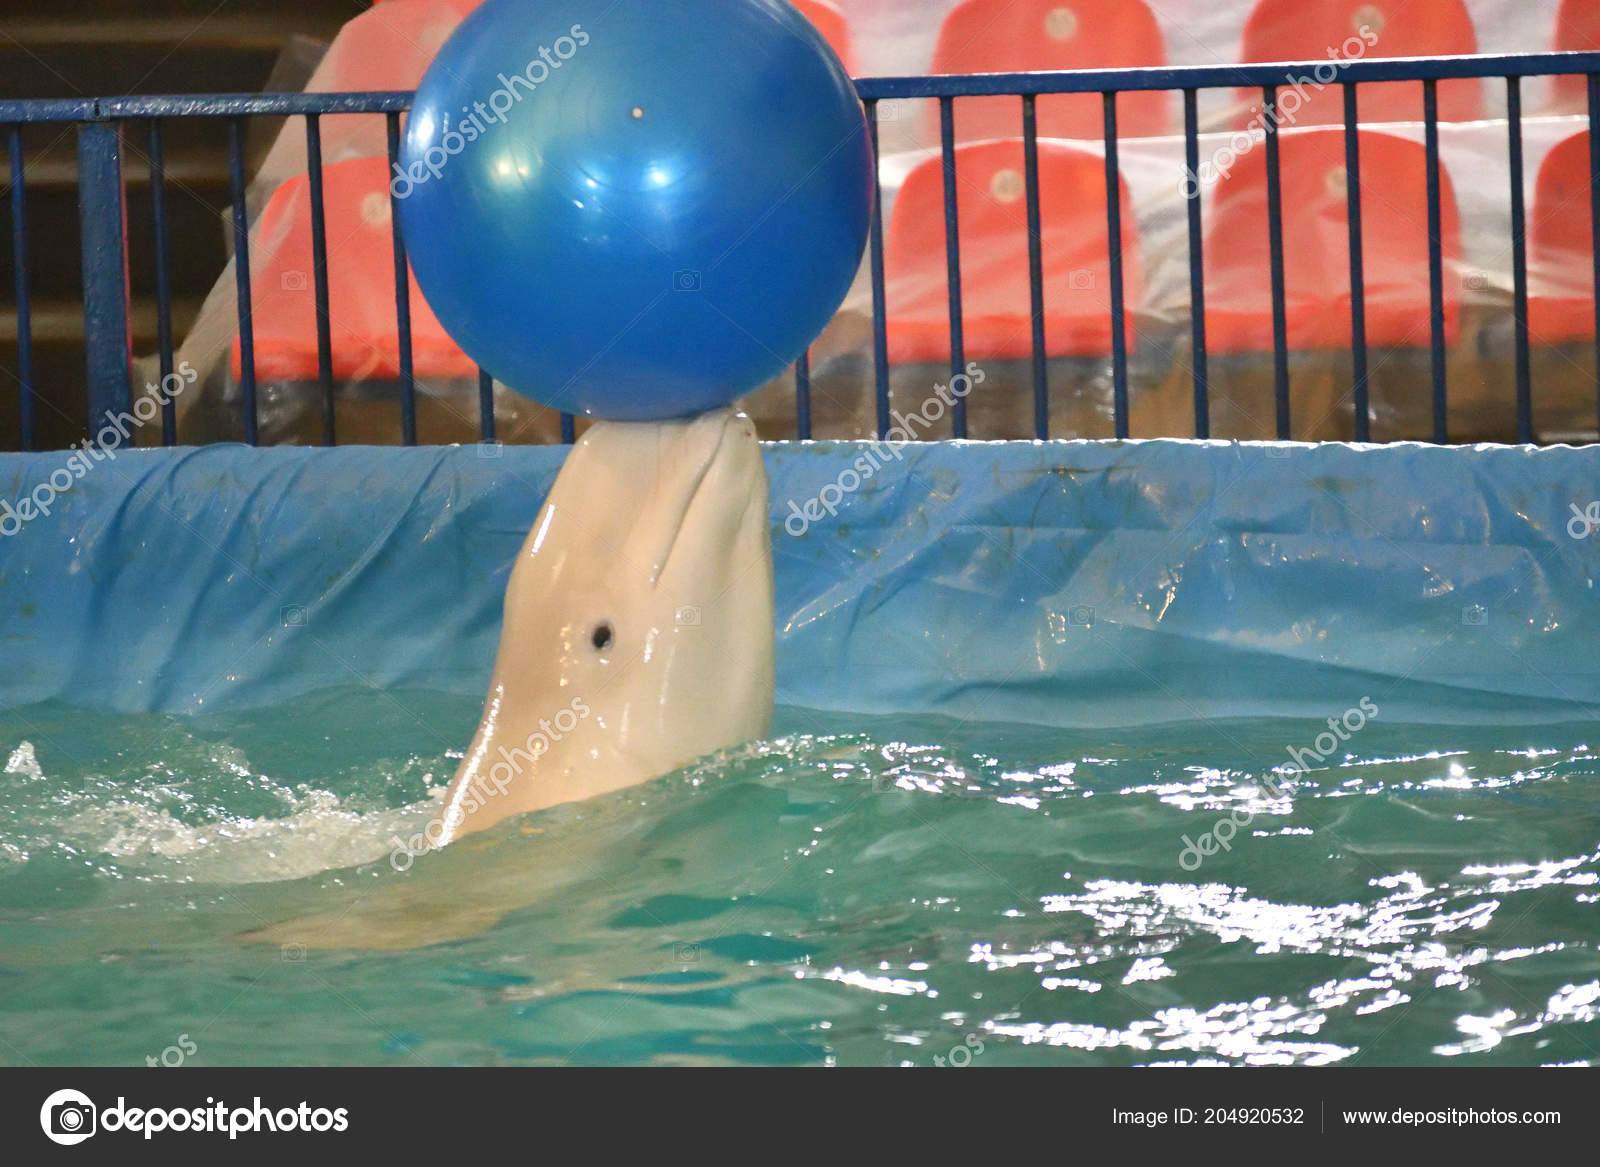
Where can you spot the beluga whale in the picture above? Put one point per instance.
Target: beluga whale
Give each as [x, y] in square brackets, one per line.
[638, 628]
[637, 637]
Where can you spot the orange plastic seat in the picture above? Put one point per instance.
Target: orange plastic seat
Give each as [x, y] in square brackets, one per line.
[393, 39]
[1577, 30]
[831, 24]
[1317, 30]
[361, 308]
[1316, 246]
[1007, 36]
[1561, 247]
[995, 301]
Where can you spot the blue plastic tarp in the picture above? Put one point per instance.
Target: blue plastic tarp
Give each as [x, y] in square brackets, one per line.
[1068, 583]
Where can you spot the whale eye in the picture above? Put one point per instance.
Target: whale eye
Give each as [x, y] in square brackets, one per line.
[601, 637]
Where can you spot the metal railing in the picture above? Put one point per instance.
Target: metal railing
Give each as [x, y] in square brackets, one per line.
[101, 123]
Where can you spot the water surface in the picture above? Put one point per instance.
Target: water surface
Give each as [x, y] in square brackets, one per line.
[857, 891]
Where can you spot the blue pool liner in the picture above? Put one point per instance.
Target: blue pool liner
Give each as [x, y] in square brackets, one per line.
[1072, 583]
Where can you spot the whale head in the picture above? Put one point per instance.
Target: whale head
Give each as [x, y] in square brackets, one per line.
[638, 628]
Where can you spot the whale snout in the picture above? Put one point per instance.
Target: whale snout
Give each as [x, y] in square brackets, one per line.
[741, 424]
[728, 442]
[721, 434]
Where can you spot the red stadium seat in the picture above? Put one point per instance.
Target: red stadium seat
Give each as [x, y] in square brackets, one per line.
[1005, 36]
[995, 302]
[1577, 30]
[361, 307]
[1561, 247]
[831, 24]
[390, 45]
[1317, 30]
[1316, 246]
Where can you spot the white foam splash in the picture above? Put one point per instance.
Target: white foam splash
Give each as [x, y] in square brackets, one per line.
[23, 762]
[320, 833]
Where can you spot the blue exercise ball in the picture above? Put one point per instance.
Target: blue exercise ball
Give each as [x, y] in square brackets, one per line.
[635, 211]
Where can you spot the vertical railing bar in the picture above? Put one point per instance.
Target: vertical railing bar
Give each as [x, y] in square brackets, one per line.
[1430, 118]
[952, 253]
[1197, 279]
[569, 429]
[1030, 166]
[1358, 280]
[1119, 341]
[402, 297]
[1519, 261]
[802, 396]
[1280, 328]
[102, 222]
[1594, 219]
[485, 406]
[241, 274]
[880, 311]
[319, 275]
[19, 252]
[158, 214]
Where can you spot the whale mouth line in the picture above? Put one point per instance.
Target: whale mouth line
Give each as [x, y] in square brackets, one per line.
[693, 493]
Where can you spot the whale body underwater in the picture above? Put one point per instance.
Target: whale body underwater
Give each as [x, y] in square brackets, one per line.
[637, 637]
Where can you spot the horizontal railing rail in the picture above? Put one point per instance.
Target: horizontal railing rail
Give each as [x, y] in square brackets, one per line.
[1251, 76]
[202, 105]
[100, 123]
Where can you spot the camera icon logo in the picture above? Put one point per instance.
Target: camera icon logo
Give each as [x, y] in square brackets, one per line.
[292, 616]
[687, 617]
[68, 1117]
[1474, 615]
[293, 281]
[1081, 279]
[491, 449]
[293, 953]
[687, 953]
[1081, 615]
[686, 281]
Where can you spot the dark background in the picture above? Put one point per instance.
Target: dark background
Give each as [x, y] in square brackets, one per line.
[106, 48]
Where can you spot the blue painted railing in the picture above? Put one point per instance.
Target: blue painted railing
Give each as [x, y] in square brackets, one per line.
[102, 121]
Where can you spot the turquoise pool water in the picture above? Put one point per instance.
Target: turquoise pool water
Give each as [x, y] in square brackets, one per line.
[858, 891]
